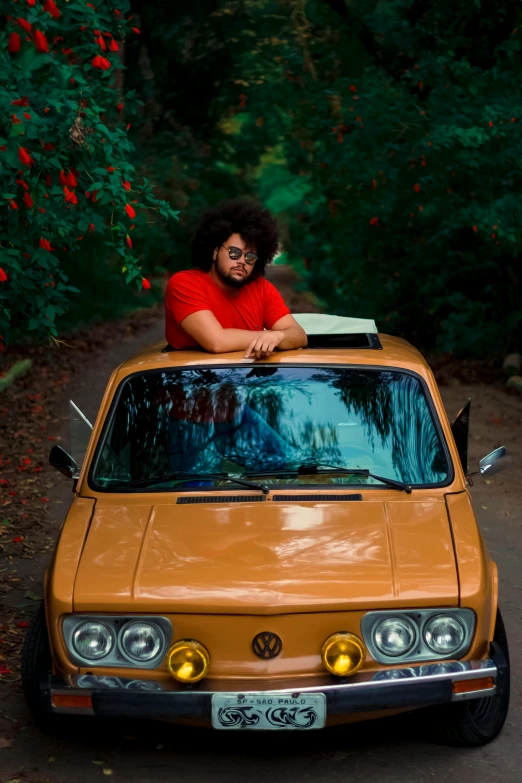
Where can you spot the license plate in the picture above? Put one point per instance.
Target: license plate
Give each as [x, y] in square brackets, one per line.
[268, 711]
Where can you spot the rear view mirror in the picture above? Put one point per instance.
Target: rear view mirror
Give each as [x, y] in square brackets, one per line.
[63, 462]
[495, 462]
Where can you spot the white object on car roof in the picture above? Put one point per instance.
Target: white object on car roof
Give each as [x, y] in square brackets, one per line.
[320, 323]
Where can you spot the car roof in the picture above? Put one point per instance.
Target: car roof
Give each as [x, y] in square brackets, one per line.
[394, 352]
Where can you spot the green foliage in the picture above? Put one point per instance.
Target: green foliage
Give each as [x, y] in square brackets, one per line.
[399, 125]
[66, 162]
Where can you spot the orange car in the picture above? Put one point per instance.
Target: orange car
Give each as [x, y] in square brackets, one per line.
[278, 544]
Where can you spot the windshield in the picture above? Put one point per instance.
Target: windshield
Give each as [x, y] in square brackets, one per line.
[180, 424]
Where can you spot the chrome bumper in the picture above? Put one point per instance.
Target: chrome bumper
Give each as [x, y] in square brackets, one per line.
[415, 686]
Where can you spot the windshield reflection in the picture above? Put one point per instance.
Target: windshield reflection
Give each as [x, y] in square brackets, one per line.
[237, 419]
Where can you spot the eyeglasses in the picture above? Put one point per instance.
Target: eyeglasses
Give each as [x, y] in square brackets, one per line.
[235, 254]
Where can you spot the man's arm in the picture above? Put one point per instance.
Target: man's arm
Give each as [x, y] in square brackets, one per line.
[206, 330]
[285, 334]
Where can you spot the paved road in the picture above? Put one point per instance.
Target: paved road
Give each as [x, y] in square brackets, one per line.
[388, 750]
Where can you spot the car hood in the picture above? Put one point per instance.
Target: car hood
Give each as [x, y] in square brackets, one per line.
[267, 557]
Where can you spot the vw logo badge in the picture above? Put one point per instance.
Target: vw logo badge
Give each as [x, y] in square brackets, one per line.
[267, 645]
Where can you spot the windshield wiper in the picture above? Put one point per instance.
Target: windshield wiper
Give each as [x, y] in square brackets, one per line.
[193, 477]
[325, 469]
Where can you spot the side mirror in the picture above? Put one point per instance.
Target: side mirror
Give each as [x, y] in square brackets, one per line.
[63, 462]
[494, 462]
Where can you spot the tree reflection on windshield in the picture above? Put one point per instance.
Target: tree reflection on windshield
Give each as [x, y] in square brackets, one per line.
[239, 419]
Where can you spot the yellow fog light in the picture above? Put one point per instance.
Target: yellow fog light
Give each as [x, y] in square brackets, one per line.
[343, 654]
[188, 660]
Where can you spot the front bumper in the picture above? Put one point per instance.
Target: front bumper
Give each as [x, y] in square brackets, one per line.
[388, 689]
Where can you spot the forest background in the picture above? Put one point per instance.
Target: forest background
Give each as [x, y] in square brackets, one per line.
[385, 136]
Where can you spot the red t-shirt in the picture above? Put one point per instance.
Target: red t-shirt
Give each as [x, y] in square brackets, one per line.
[256, 306]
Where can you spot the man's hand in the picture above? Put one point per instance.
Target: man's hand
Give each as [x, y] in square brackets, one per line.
[264, 344]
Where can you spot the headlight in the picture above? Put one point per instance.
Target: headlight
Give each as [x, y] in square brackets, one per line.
[343, 654]
[394, 636]
[188, 660]
[93, 640]
[141, 641]
[444, 634]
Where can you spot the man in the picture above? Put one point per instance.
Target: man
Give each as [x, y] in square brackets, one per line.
[225, 303]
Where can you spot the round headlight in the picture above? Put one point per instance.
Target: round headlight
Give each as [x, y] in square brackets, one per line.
[188, 660]
[141, 641]
[93, 640]
[444, 634]
[343, 654]
[394, 636]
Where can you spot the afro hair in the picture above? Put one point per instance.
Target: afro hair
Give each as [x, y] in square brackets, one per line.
[257, 227]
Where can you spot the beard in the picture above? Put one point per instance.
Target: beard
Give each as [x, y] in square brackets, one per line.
[228, 279]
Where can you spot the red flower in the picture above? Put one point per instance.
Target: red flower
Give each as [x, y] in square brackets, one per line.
[101, 62]
[120, 106]
[353, 88]
[31, 2]
[490, 124]
[22, 183]
[15, 120]
[101, 43]
[13, 204]
[113, 46]
[126, 185]
[131, 212]
[70, 196]
[28, 201]
[40, 41]
[48, 181]
[145, 283]
[374, 221]
[3, 276]
[42, 210]
[97, 32]
[68, 179]
[136, 30]
[27, 116]
[48, 147]
[18, 539]
[116, 12]
[25, 25]
[21, 101]
[44, 244]
[14, 43]
[128, 240]
[92, 227]
[51, 8]
[417, 188]
[475, 229]
[110, 169]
